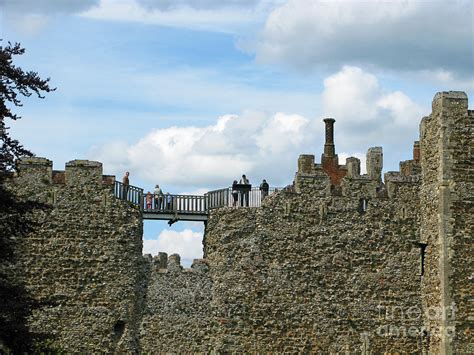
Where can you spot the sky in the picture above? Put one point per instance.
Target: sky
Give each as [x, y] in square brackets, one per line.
[191, 94]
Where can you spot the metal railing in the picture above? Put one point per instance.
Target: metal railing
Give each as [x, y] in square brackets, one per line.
[167, 203]
[218, 198]
[225, 198]
[189, 204]
[128, 193]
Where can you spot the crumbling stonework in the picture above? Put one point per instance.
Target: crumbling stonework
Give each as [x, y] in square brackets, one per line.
[177, 313]
[82, 261]
[313, 272]
[339, 262]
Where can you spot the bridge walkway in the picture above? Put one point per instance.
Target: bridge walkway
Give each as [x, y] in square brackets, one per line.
[173, 207]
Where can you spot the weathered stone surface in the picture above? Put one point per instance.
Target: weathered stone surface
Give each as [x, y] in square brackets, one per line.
[177, 314]
[83, 261]
[297, 277]
[341, 262]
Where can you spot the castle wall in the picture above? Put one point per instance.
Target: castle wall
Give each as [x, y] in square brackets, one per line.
[447, 147]
[177, 314]
[363, 266]
[310, 272]
[81, 262]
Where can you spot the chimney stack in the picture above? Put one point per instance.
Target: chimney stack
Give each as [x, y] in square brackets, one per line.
[329, 149]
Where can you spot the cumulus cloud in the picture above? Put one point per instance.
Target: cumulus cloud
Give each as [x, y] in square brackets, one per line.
[259, 145]
[401, 35]
[366, 112]
[267, 145]
[186, 243]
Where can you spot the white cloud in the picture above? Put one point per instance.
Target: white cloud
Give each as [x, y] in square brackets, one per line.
[261, 145]
[367, 112]
[186, 243]
[402, 109]
[225, 16]
[350, 93]
[401, 35]
[267, 146]
[213, 156]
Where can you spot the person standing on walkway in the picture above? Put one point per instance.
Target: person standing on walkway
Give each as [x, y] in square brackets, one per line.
[125, 185]
[158, 197]
[169, 201]
[149, 200]
[264, 187]
[235, 193]
[244, 193]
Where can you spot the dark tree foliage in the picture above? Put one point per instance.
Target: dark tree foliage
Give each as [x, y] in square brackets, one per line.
[15, 221]
[15, 83]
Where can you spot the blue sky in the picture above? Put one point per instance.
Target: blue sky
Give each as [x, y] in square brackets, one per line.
[191, 94]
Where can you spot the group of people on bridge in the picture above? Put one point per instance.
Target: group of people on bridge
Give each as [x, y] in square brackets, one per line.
[158, 200]
[243, 188]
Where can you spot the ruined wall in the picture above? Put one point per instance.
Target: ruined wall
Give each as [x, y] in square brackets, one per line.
[177, 314]
[82, 261]
[312, 272]
[447, 148]
[357, 266]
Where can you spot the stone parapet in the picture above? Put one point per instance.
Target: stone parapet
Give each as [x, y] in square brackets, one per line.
[80, 172]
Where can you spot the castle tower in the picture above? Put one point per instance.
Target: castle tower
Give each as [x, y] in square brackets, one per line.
[447, 220]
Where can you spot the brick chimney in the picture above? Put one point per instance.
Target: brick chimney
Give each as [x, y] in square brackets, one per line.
[329, 159]
[329, 149]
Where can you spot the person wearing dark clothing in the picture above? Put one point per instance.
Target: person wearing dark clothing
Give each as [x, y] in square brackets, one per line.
[244, 195]
[235, 193]
[158, 197]
[125, 185]
[264, 187]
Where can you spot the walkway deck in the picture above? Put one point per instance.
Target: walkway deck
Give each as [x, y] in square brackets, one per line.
[175, 208]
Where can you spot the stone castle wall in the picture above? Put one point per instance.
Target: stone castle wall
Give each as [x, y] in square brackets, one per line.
[177, 315]
[331, 265]
[82, 262]
[447, 151]
[313, 272]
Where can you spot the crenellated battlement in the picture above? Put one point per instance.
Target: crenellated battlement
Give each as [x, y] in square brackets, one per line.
[162, 263]
[40, 171]
[335, 180]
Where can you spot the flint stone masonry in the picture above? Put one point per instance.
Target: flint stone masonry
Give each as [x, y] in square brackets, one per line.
[339, 263]
[82, 262]
[177, 314]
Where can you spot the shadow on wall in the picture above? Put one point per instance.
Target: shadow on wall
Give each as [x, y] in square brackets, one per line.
[16, 305]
